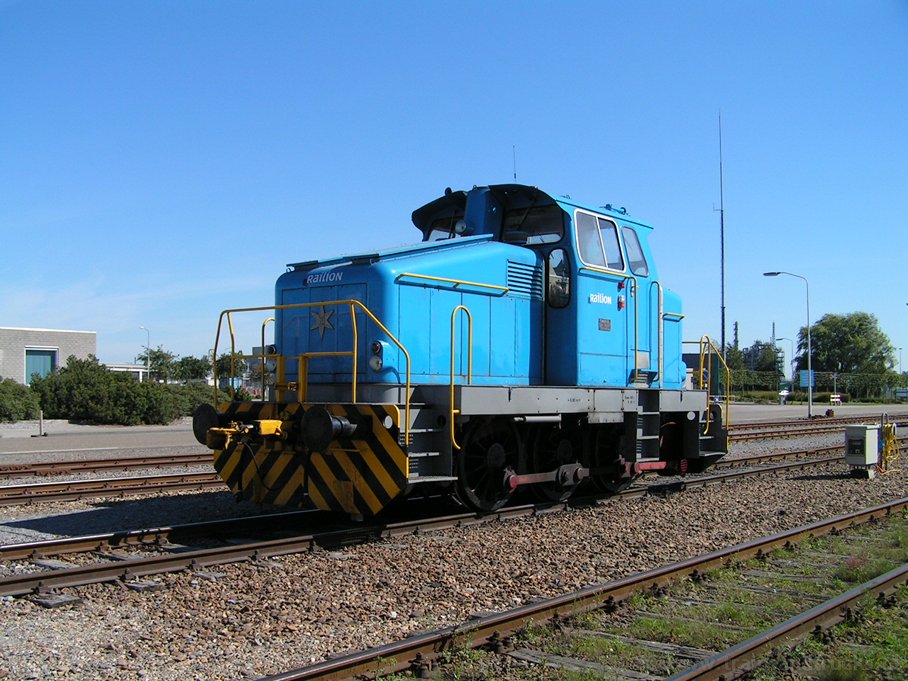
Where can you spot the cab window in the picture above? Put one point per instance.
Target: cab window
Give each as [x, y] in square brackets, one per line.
[597, 240]
[558, 278]
[446, 227]
[533, 225]
[635, 257]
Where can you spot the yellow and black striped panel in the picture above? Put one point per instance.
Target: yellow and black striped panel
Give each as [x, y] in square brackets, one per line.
[263, 470]
[362, 475]
[254, 411]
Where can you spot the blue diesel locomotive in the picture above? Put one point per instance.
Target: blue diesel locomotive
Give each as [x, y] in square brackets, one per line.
[526, 341]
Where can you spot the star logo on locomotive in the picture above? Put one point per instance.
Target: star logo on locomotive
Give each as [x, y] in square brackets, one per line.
[321, 320]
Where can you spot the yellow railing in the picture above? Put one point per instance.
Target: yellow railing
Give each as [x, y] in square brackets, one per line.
[659, 329]
[889, 454]
[500, 290]
[264, 324]
[454, 411]
[707, 347]
[302, 386]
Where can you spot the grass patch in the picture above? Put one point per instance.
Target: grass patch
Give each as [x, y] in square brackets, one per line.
[857, 569]
[696, 634]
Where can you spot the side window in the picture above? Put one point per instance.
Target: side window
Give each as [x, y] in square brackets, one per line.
[635, 256]
[609, 232]
[558, 276]
[588, 240]
[533, 225]
[597, 240]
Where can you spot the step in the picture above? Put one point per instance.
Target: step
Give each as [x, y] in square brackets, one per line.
[413, 479]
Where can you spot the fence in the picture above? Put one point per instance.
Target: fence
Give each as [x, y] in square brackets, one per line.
[857, 386]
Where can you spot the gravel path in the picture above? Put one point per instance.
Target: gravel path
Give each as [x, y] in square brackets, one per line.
[256, 619]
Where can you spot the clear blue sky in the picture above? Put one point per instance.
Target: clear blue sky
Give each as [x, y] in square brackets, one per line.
[162, 161]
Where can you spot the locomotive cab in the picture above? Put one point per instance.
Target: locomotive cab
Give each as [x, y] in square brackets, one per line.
[525, 342]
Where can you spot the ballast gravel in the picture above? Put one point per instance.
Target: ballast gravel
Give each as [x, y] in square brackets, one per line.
[248, 620]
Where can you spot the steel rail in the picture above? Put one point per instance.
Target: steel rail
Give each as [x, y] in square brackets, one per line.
[151, 536]
[49, 468]
[77, 489]
[491, 630]
[779, 456]
[740, 658]
[820, 422]
[17, 585]
[704, 481]
[794, 453]
[780, 433]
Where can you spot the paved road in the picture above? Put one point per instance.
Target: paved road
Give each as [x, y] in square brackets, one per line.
[61, 435]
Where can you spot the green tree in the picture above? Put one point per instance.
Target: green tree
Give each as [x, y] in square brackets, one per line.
[192, 368]
[161, 363]
[224, 364]
[764, 357]
[734, 358]
[849, 343]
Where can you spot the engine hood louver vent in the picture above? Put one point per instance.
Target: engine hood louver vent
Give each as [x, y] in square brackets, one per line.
[525, 280]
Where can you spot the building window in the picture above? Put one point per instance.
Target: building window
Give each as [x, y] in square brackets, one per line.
[39, 361]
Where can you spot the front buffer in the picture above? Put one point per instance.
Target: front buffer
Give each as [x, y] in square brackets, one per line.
[335, 457]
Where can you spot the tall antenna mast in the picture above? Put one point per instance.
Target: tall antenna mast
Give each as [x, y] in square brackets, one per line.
[722, 231]
[514, 152]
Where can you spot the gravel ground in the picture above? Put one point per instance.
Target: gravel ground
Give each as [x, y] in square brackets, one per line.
[256, 619]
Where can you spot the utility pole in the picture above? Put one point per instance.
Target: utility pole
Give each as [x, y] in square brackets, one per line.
[722, 232]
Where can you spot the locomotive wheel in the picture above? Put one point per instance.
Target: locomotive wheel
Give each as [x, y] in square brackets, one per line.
[552, 447]
[490, 452]
[604, 457]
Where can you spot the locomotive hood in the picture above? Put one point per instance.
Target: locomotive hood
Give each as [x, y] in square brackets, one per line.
[374, 256]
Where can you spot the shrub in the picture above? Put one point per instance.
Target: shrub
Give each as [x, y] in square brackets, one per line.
[86, 391]
[17, 401]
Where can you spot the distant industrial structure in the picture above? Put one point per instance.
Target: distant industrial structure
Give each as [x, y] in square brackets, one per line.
[137, 371]
[26, 352]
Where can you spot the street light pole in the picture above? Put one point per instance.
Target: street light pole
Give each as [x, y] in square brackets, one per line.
[791, 356]
[147, 353]
[809, 349]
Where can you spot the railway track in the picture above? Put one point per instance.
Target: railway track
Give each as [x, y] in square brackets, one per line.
[784, 429]
[169, 558]
[76, 489]
[69, 490]
[494, 632]
[53, 468]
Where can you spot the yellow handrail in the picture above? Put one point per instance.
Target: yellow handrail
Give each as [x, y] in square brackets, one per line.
[302, 388]
[456, 282]
[469, 363]
[264, 324]
[889, 455]
[303, 371]
[706, 348]
[659, 329]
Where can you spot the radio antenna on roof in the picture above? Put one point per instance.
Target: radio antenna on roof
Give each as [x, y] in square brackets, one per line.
[514, 152]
